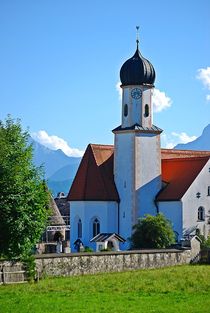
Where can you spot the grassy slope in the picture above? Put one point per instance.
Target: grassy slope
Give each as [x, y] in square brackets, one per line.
[176, 289]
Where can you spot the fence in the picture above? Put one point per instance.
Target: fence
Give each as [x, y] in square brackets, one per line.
[11, 272]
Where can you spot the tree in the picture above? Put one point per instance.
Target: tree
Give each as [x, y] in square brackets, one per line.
[152, 232]
[24, 200]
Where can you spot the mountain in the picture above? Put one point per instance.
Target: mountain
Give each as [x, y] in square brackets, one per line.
[56, 186]
[59, 168]
[200, 143]
[62, 179]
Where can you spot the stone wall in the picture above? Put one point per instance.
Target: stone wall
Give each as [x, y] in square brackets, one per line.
[101, 262]
[92, 263]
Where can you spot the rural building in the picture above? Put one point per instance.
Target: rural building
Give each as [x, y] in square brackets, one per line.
[115, 185]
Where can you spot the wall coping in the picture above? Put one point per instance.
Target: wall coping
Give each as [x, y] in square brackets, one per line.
[79, 254]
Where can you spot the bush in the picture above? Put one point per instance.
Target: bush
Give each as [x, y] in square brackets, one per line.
[30, 266]
[152, 232]
[88, 249]
[205, 242]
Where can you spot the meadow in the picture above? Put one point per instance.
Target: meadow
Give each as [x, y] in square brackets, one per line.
[175, 289]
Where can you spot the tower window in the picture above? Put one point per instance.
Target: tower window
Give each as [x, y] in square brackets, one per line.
[96, 227]
[146, 110]
[125, 110]
[208, 191]
[201, 214]
[79, 228]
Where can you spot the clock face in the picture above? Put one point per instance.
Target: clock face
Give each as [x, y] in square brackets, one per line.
[136, 93]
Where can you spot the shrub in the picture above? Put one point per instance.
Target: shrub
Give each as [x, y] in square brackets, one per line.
[152, 232]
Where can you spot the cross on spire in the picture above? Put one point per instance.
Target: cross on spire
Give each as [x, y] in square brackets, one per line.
[137, 36]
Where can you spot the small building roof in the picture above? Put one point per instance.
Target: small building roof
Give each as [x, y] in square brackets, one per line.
[179, 174]
[95, 179]
[102, 237]
[55, 219]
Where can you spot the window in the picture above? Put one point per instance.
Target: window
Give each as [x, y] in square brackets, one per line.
[79, 228]
[125, 110]
[208, 194]
[96, 227]
[201, 214]
[146, 110]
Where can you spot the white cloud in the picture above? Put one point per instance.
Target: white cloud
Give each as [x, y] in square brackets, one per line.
[204, 76]
[183, 137]
[54, 142]
[171, 140]
[208, 97]
[159, 99]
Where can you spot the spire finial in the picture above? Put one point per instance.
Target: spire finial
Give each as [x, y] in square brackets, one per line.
[137, 36]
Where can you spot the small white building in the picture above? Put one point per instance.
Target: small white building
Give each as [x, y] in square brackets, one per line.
[115, 185]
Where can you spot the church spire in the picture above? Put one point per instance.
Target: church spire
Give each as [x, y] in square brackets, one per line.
[137, 37]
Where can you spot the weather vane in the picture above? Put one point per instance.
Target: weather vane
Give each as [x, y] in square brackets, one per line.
[137, 35]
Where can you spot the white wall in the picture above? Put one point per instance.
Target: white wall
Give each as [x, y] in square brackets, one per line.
[173, 212]
[136, 107]
[105, 211]
[137, 174]
[148, 172]
[124, 179]
[191, 203]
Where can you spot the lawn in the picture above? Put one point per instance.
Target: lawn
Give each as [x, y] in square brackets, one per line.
[175, 289]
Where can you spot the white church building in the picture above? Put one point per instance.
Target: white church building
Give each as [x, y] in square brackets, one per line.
[116, 185]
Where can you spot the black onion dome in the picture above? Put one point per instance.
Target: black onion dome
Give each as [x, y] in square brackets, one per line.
[137, 71]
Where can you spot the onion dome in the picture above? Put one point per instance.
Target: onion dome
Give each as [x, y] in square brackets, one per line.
[137, 71]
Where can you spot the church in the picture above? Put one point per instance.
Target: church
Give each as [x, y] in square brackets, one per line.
[115, 185]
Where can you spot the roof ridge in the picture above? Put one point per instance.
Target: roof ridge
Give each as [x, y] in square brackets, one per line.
[187, 158]
[187, 151]
[88, 167]
[101, 145]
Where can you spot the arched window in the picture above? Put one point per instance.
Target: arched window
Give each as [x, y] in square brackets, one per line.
[79, 228]
[96, 227]
[201, 214]
[125, 110]
[146, 110]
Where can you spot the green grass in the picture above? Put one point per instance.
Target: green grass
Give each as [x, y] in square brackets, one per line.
[175, 289]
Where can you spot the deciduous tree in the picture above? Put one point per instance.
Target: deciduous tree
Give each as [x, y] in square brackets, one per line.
[24, 201]
[152, 232]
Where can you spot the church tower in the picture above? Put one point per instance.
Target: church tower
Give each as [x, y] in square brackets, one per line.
[137, 157]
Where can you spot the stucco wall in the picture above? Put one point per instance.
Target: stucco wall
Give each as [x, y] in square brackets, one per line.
[124, 180]
[173, 212]
[147, 173]
[191, 203]
[87, 211]
[80, 264]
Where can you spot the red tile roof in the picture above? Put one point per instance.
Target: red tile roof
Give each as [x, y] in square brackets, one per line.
[172, 153]
[179, 173]
[95, 180]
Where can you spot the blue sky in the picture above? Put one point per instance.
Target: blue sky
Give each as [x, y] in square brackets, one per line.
[60, 62]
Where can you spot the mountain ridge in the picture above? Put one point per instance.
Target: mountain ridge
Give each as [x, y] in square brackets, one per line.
[201, 143]
[59, 168]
